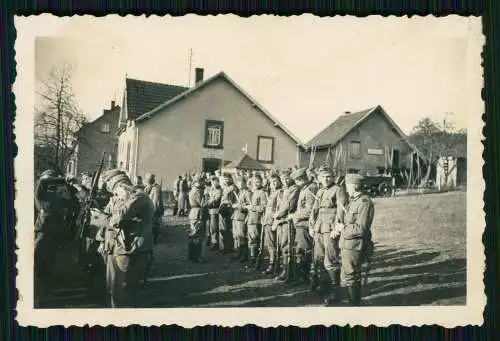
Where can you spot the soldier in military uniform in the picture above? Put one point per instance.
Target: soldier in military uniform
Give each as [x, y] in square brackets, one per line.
[197, 218]
[215, 195]
[328, 209]
[228, 199]
[268, 221]
[255, 213]
[303, 242]
[355, 237]
[129, 253]
[52, 229]
[287, 207]
[240, 233]
[153, 190]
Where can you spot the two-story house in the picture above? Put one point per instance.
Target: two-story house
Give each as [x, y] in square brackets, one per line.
[200, 128]
[94, 138]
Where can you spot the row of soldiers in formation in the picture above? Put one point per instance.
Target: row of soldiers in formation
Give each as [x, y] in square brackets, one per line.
[318, 229]
[318, 232]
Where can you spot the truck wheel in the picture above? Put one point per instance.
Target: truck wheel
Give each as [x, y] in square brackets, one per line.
[384, 190]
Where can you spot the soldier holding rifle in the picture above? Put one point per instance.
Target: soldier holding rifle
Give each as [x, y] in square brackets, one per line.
[287, 206]
[355, 237]
[129, 239]
[328, 210]
[153, 190]
[197, 218]
[300, 219]
[215, 195]
[255, 212]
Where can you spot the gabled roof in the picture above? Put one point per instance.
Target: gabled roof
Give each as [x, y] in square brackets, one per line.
[336, 131]
[200, 85]
[246, 162]
[339, 128]
[143, 96]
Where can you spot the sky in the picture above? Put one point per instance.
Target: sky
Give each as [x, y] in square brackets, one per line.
[304, 70]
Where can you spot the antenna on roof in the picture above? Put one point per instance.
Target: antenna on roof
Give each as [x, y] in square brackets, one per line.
[190, 66]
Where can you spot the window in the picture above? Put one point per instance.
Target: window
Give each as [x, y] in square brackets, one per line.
[355, 149]
[105, 128]
[214, 134]
[265, 149]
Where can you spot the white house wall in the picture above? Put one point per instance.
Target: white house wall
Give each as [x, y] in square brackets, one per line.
[171, 141]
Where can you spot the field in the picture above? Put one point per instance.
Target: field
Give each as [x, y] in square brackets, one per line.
[419, 260]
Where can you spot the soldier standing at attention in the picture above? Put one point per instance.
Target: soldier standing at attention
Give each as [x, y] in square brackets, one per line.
[153, 190]
[197, 218]
[228, 199]
[303, 242]
[355, 237]
[255, 212]
[328, 209]
[268, 221]
[240, 233]
[183, 196]
[287, 206]
[131, 223]
[215, 196]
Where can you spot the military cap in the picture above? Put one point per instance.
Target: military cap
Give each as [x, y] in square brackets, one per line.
[214, 178]
[324, 170]
[274, 175]
[227, 175]
[111, 173]
[149, 178]
[257, 176]
[49, 173]
[301, 172]
[286, 172]
[114, 181]
[355, 179]
[197, 179]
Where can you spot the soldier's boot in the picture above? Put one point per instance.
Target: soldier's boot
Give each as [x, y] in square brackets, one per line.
[284, 272]
[334, 295]
[354, 295]
[244, 253]
[313, 276]
[253, 254]
[270, 268]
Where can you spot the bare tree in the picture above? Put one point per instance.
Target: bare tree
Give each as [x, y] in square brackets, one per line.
[57, 120]
[435, 140]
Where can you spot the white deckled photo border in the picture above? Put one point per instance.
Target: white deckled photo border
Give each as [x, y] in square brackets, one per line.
[28, 28]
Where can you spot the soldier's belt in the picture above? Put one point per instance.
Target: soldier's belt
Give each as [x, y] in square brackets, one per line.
[332, 210]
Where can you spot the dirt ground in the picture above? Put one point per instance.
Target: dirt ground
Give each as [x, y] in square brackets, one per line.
[420, 259]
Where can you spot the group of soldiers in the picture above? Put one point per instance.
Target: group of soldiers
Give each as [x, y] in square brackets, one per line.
[114, 225]
[316, 227]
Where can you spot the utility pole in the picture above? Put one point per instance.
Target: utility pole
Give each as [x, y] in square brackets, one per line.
[190, 66]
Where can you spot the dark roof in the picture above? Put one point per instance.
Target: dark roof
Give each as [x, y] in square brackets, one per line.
[339, 128]
[143, 96]
[246, 162]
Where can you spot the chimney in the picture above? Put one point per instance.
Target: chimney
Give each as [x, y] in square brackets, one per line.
[113, 104]
[347, 112]
[198, 75]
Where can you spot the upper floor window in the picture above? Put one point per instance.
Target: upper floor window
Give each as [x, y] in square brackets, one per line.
[214, 134]
[265, 149]
[355, 149]
[105, 128]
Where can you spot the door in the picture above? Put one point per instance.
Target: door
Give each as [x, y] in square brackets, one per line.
[395, 159]
[210, 165]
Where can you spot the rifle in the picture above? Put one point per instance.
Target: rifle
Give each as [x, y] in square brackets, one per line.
[84, 219]
[291, 246]
[261, 248]
[278, 253]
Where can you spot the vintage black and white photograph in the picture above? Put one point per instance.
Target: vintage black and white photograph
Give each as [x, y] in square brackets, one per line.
[317, 163]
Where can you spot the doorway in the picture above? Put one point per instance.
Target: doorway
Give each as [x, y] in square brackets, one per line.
[210, 165]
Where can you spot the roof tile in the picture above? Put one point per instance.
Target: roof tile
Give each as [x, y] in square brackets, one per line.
[143, 96]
